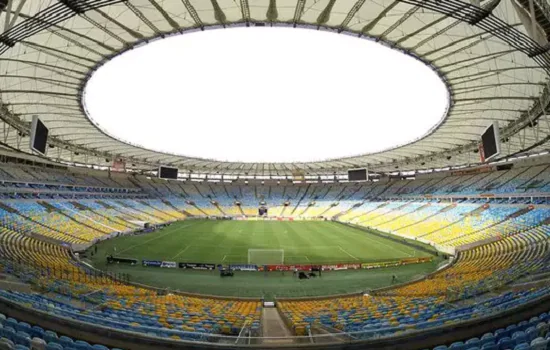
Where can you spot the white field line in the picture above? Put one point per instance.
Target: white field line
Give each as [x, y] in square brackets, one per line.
[229, 255]
[270, 247]
[347, 252]
[389, 246]
[182, 251]
[306, 258]
[176, 229]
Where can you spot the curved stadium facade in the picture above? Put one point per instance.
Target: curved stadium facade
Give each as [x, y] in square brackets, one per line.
[437, 250]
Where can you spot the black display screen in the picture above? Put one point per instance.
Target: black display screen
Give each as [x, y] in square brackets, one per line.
[490, 140]
[40, 140]
[357, 175]
[168, 173]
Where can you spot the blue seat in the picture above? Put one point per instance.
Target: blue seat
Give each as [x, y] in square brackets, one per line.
[53, 346]
[489, 346]
[531, 334]
[522, 346]
[65, 341]
[523, 325]
[519, 337]
[542, 328]
[82, 345]
[539, 344]
[37, 332]
[99, 347]
[6, 343]
[441, 347]
[505, 343]
[9, 333]
[24, 327]
[50, 337]
[472, 343]
[488, 338]
[23, 338]
[457, 346]
[500, 333]
[10, 322]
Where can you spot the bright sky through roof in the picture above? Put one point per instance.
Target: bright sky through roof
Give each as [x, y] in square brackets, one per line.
[265, 95]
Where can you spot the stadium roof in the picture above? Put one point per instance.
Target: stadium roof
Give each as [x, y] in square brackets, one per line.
[494, 59]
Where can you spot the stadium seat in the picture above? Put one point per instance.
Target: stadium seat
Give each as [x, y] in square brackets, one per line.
[539, 344]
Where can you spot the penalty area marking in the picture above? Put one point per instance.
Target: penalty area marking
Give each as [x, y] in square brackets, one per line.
[181, 251]
[176, 229]
[387, 245]
[228, 255]
[342, 249]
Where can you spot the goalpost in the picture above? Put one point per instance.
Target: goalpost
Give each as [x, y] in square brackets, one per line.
[266, 256]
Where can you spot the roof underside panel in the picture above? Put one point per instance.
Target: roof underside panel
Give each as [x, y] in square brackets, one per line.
[489, 75]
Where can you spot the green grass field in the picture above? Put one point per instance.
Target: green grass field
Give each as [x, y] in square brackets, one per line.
[227, 242]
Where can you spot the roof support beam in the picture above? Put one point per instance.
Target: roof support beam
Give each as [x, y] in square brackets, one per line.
[369, 26]
[477, 88]
[474, 61]
[49, 67]
[142, 17]
[490, 72]
[245, 11]
[7, 15]
[129, 30]
[49, 93]
[493, 98]
[189, 7]
[435, 35]
[62, 55]
[420, 30]
[166, 16]
[400, 21]
[104, 29]
[41, 79]
[16, 14]
[299, 11]
[355, 8]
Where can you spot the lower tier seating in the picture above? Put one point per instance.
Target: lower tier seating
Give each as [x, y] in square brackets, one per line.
[426, 303]
[15, 335]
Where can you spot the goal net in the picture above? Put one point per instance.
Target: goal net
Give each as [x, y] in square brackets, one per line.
[266, 256]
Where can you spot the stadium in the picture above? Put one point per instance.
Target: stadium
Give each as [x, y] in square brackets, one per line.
[260, 174]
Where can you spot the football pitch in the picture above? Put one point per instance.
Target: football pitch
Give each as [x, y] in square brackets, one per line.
[228, 242]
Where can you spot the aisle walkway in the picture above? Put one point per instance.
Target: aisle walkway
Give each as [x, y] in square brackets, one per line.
[273, 326]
